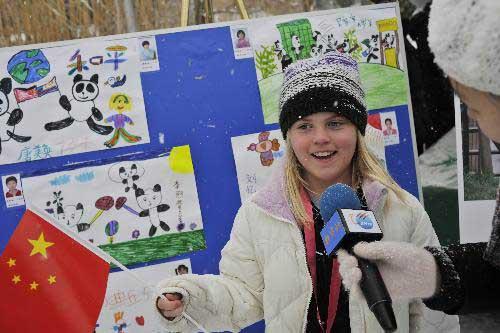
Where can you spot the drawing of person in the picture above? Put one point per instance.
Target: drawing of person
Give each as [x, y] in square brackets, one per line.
[242, 41]
[389, 130]
[13, 191]
[147, 53]
[121, 103]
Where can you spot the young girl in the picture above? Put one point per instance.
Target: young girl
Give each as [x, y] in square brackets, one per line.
[274, 266]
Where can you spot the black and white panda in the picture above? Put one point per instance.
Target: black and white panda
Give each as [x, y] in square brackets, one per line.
[297, 47]
[149, 201]
[316, 50]
[129, 176]
[9, 120]
[72, 216]
[317, 47]
[82, 107]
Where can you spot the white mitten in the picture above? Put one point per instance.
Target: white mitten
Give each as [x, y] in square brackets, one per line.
[408, 271]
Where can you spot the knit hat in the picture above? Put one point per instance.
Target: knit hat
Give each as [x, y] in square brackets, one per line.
[464, 36]
[329, 83]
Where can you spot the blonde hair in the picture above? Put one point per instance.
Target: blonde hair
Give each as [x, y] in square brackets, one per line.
[365, 166]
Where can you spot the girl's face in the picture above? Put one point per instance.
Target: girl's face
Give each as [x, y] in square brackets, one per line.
[483, 107]
[324, 144]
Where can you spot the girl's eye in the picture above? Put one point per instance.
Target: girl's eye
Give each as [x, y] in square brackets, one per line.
[334, 124]
[303, 126]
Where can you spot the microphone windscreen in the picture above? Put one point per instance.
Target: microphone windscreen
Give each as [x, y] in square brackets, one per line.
[337, 196]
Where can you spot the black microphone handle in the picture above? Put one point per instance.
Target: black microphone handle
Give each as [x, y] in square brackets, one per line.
[376, 294]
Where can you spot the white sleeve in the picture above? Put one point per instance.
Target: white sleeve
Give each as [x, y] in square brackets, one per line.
[226, 302]
[425, 319]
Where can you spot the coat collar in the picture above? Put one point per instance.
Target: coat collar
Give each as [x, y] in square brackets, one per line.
[272, 197]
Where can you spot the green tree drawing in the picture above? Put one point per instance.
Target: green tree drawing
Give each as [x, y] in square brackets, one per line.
[265, 61]
[350, 36]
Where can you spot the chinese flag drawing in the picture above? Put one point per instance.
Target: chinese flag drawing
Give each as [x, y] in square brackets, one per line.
[49, 282]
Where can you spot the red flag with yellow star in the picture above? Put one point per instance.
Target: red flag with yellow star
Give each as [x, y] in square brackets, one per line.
[49, 282]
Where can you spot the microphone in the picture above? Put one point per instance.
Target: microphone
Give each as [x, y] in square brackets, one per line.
[346, 224]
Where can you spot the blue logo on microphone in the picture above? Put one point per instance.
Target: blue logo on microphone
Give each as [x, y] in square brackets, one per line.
[364, 221]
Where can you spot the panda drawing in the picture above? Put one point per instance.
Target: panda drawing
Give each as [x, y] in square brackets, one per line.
[72, 216]
[82, 107]
[129, 177]
[297, 47]
[9, 120]
[149, 201]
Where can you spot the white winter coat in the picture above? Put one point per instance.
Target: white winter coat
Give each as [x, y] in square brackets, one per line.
[264, 273]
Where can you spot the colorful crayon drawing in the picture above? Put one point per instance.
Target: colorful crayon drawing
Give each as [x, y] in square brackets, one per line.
[37, 106]
[138, 210]
[265, 148]
[9, 120]
[371, 38]
[121, 103]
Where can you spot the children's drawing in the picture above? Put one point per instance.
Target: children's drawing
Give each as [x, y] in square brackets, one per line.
[158, 217]
[25, 94]
[84, 177]
[127, 174]
[389, 42]
[9, 120]
[121, 202]
[150, 201]
[70, 215]
[116, 81]
[77, 64]
[371, 48]
[116, 57]
[120, 103]
[102, 204]
[282, 56]
[62, 123]
[28, 66]
[82, 107]
[127, 304]
[371, 37]
[253, 172]
[265, 148]
[111, 230]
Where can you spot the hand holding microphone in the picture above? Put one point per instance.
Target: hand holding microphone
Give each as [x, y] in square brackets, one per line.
[408, 271]
[345, 226]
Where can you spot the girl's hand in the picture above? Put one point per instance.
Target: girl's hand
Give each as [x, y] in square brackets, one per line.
[171, 306]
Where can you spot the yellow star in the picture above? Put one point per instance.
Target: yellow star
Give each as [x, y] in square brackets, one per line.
[11, 262]
[40, 245]
[52, 279]
[33, 285]
[16, 279]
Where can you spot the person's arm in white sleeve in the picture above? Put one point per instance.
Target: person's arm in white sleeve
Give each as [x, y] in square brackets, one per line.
[226, 302]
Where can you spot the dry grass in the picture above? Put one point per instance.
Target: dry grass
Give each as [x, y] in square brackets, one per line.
[39, 21]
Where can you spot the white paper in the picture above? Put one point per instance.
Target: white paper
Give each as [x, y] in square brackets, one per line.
[129, 305]
[475, 215]
[256, 156]
[92, 75]
[127, 203]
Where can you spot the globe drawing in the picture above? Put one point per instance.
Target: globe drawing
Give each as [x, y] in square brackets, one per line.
[28, 66]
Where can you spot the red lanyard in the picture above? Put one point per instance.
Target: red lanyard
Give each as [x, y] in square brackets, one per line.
[310, 238]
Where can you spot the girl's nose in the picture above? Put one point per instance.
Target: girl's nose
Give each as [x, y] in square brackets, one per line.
[321, 136]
